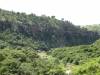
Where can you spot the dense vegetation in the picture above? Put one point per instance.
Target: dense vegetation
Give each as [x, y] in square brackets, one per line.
[77, 54]
[90, 67]
[86, 58]
[43, 45]
[42, 31]
[27, 62]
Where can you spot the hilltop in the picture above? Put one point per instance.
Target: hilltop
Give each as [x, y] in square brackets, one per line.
[41, 32]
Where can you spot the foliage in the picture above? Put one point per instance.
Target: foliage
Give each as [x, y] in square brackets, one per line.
[41, 32]
[77, 54]
[22, 37]
[26, 62]
[90, 67]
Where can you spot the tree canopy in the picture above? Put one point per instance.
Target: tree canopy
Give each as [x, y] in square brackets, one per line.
[49, 32]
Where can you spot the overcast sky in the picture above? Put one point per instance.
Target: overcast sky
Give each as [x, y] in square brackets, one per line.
[79, 12]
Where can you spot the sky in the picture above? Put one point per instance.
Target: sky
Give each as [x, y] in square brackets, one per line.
[79, 12]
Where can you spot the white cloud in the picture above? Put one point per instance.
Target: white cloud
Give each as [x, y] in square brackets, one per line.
[78, 11]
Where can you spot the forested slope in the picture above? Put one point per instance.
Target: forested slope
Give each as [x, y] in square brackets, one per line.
[77, 54]
[43, 45]
[84, 59]
[20, 29]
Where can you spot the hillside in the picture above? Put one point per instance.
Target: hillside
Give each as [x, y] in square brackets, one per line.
[84, 59]
[41, 32]
[44, 45]
[77, 54]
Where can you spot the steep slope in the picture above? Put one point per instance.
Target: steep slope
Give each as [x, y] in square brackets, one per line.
[40, 32]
